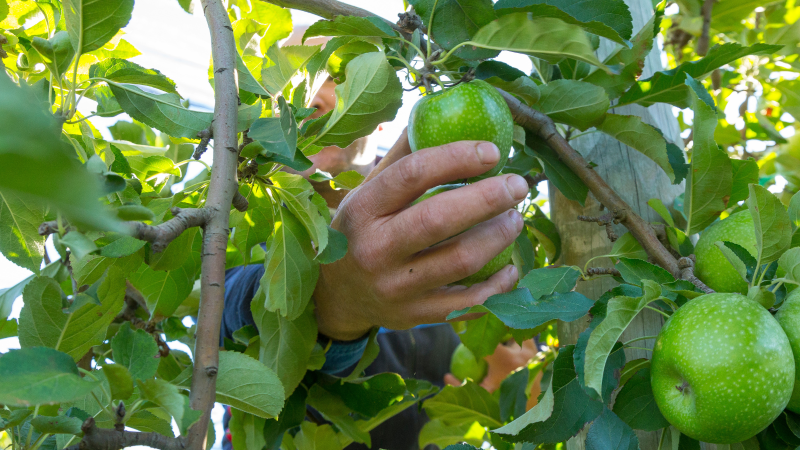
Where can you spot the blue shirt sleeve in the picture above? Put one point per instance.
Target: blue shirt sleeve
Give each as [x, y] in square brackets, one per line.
[241, 284]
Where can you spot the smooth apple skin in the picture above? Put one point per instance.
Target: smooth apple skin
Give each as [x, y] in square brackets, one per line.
[789, 319]
[722, 369]
[712, 267]
[467, 112]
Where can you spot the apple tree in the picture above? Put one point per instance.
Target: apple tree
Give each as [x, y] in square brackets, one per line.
[141, 248]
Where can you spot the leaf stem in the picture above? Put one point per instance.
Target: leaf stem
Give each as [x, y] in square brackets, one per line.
[658, 311]
[30, 429]
[430, 26]
[661, 439]
[640, 338]
[639, 348]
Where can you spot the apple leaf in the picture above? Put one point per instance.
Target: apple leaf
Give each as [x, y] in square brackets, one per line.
[464, 404]
[636, 271]
[790, 263]
[519, 310]
[120, 381]
[38, 376]
[277, 134]
[609, 432]
[541, 282]
[456, 21]
[483, 335]
[710, 179]
[575, 103]
[282, 63]
[285, 345]
[246, 429]
[739, 257]
[669, 87]
[91, 24]
[745, 173]
[621, 311]
[772, 224]
[633, 132]
[167, 396]
[610, 19]
[514, 395]
[343, 25]
[57, 425]
[123, 71]
[20, 241]
[452, 437]
[547, 38]
[627, 246]
[636, 406]
[560, 414]
[370, 95]
[253, 226]
[136, 350]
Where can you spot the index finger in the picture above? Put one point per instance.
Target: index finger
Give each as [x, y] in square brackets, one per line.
[400, 149]
[402, 182]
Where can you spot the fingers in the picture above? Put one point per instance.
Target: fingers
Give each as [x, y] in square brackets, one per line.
[400, 183]
[449, 213]
[465, 254]
[435, 309]
[400, 149]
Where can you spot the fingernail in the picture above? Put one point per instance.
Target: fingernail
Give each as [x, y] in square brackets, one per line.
[517, 186]
[516, 217]
[488, 153]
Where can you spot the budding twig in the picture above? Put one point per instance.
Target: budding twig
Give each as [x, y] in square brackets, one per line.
[594, 271]
[95, 438]
[161, 235]
[205, 136]
[607, 220]
[686, 265]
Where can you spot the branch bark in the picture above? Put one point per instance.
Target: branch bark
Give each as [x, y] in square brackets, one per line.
[161, 235]
[703, 41]
[542, 125]
[222, 187]
[95, 438]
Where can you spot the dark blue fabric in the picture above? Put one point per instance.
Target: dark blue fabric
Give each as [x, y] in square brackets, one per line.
[241, 284]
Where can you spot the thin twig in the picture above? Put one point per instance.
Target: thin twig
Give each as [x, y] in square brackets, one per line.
[686, 265]
[593, 271]
[607, 220]
[240, 202]
[703, 41]
[162, 234]
[95, 438]
[205, 137]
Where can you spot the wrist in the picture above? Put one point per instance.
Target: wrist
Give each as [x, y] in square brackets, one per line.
[335, 320]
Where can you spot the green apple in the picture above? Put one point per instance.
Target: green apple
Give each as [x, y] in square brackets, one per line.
[712, 267]
[722, 368]
[490, 268]
[468, 111]
[789, 319]
[463, 365]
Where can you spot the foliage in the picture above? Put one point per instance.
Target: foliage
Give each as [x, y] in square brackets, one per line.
[86, 351]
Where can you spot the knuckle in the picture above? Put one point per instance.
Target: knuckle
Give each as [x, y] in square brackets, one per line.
[508, 230]
[465, 263]
[410, 171]
[429, 220]
[495, 196]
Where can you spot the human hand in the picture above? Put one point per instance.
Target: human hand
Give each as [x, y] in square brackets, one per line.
[505, 359]
[399, 260]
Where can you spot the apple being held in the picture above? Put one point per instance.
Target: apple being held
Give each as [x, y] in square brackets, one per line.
[722, 368]
[712, 267]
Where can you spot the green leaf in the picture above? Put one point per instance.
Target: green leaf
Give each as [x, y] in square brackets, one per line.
[8, 328]
[464, 404]
[20, 242]
[745, 172]
[136, 350]
[246, 430]
[628, 247]
[436, 432]
[620, 313]
[57, 52]
[120, 381]
[91, 24]
[483, 335]
[609, 432]
[166, 395]
[38, 168]
[519, 310]
[371, 352]
[633, 132]
[282, 63]
[43, 323]
[57, 425]
[370, 95]
[659, 207]
[669, 86]
[54, 270]
[343, 25]
[710, 178]
[123, 71]
[39, 376]
[245, 384]
[564, 179]
[277, 134]
[368, 396]
[514, 395]
[79, 245]
[164, 291]
[772, 225]
[739, 257]
[247, 81]
[253, 226]
[164, 112]
[560, 414]
[790, 263]
[290, 272]
[143, 420]
[548, 281]
[456, 21]
[636, 406]
[285, 345]
[575, 103]
[543, 37]
[336, 249]
[637, 271]
[610, 19]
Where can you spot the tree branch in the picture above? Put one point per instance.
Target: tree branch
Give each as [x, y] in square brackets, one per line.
[542, 125]
[95, 438]
[161, 235]
[222, 187]
[703, 41]
[534, 180]
[329, 9]
[687, 273]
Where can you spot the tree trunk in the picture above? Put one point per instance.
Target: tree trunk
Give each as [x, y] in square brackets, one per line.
[636, 179]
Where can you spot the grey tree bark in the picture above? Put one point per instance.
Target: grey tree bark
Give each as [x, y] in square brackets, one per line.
[636, 179]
